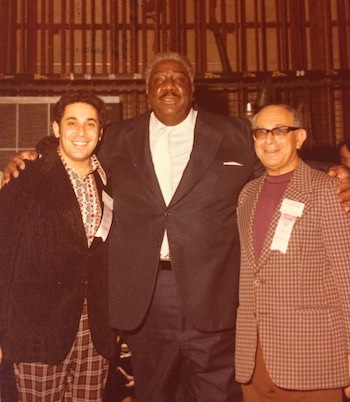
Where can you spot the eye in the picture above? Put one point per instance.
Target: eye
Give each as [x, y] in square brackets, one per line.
[260, 132]
[282, 130]
[180, 79]
[157, 80]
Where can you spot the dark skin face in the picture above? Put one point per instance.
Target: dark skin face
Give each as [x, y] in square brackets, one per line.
[170, 92]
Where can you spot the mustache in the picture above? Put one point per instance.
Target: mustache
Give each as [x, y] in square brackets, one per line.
[169, 93]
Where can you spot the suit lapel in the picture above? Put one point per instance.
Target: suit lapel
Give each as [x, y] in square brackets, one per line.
[139, 149]
[207, 140]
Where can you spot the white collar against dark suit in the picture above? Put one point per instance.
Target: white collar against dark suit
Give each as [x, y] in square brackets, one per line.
[170, 162]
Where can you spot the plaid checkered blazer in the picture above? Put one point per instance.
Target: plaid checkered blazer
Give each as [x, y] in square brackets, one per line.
[297, 303]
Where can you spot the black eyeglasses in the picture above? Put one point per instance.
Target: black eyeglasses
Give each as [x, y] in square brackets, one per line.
[277, 132]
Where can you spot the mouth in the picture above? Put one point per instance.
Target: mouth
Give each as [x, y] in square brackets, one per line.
[270, 151]
[169, 96]
[80, 143]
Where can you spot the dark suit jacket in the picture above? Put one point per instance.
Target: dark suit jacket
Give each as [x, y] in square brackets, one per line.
[298, 302]
[200, 220]
[47, 269]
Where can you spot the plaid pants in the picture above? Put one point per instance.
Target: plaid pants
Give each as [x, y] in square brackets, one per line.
[81, 377]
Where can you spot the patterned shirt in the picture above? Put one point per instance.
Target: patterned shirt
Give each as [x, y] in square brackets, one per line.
[87, 195]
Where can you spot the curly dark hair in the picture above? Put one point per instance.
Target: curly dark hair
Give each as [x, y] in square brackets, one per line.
[83, 96]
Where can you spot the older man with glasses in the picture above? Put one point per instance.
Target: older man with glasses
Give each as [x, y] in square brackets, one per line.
[293, 327]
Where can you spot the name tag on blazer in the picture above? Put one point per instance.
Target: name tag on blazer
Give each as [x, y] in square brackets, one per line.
[290, 211]
[107, 216]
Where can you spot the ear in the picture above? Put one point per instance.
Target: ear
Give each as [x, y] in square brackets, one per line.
[56, 129]
[301, 137]
[100, 136]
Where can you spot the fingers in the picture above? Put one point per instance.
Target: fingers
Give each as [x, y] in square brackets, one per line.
[333, 171]
[339, 171]
[9, 171]
[17, 163]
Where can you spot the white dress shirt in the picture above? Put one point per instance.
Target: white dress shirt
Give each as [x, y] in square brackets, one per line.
[181, 140]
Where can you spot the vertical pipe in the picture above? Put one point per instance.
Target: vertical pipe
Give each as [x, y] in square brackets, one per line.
[159, 27]
[203, 41]
[297, 35]
[182, 26]
[256, 35]
[123, 53]
[243, 66]
[8, 33]
[93, 29]
[105, 48]
[133, 36]
[342, 34]
[237, 36]
[51, 45]
[43, 59]
[22, 40]
[113, 19]
[264, 36]
[31, 48]
[72, 46]
[64, 44]
[198, 56]
[283, 60]
[85, 49]
[144, 36]
[173, 14]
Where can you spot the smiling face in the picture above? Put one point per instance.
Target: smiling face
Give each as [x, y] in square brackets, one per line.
[78, 134]
[279, 156]
[170, 92]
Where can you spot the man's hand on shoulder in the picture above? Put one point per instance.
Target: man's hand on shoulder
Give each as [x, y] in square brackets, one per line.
[343, 190]
[16, 163]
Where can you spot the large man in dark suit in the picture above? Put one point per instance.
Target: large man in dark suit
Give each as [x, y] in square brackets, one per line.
[177, 309]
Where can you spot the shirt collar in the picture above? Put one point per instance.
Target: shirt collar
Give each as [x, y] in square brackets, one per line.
[186, 126]
[94, 165]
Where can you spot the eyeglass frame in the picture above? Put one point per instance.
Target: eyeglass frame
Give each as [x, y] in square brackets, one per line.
[279, 135]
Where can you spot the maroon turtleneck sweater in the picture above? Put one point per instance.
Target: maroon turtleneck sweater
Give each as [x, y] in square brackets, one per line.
[270, 195]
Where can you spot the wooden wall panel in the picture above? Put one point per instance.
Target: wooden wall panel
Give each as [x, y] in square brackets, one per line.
[238, 48]
[117, 36]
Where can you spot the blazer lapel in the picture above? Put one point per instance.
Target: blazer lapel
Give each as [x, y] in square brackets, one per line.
[298, 190]
[62, 197]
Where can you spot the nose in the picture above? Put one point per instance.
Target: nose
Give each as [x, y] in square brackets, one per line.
[269, 137]
[169, 83]
[81, 129]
